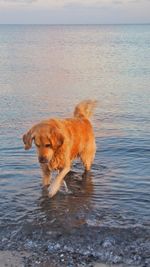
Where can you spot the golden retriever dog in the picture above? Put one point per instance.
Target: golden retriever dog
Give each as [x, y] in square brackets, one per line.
[60, 141]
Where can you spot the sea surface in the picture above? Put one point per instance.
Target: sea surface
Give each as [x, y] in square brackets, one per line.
[44, 72]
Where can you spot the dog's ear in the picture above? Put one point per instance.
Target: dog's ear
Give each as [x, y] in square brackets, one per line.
[56, 138]
[27, 139]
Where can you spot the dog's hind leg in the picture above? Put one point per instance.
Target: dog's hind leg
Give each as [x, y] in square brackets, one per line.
[87, 156]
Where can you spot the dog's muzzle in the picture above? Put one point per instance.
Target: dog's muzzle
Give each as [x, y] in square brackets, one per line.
[43, 160]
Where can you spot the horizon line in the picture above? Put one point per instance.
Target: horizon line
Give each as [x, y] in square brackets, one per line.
[76, 24]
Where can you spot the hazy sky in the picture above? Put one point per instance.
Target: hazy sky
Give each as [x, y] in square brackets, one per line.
[74, 11]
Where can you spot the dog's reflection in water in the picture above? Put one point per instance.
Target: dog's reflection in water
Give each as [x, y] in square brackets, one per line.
[67, 209]
[77, 184]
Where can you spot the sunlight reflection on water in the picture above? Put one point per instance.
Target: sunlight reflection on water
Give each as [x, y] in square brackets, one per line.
[44, 73]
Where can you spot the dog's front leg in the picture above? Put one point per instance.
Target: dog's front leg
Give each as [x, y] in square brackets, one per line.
[58, 181]
[45, 175]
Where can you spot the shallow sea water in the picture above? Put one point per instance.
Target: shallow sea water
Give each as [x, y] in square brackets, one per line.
[44, 72]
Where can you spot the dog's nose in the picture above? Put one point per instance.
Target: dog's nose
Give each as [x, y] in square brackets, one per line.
[43, 160]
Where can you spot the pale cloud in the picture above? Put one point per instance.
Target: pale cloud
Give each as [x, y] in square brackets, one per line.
[74, 11]
[63, 3]
[66, 3]
[16, 1]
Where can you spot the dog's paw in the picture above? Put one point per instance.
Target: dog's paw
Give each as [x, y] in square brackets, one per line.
[51, 191]
[50, 194]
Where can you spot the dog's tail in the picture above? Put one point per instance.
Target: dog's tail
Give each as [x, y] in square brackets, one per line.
[85, 109]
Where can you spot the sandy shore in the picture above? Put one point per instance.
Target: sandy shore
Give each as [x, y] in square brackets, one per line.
[12, 258]
[17, 259]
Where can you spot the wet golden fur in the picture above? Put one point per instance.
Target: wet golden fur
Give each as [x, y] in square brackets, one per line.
[60, 141]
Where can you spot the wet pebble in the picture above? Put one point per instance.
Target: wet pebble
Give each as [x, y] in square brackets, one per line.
[108, 242]
[30, 244]
[4, 239]
[147, 262]
[137, 258]
[68, 249]
[117, 259]
[62, 258]
[53, 247]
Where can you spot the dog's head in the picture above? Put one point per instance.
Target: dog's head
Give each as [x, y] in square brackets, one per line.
[47, 140]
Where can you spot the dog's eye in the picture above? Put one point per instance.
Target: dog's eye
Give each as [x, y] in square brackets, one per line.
[37, 145]
[48, 145]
